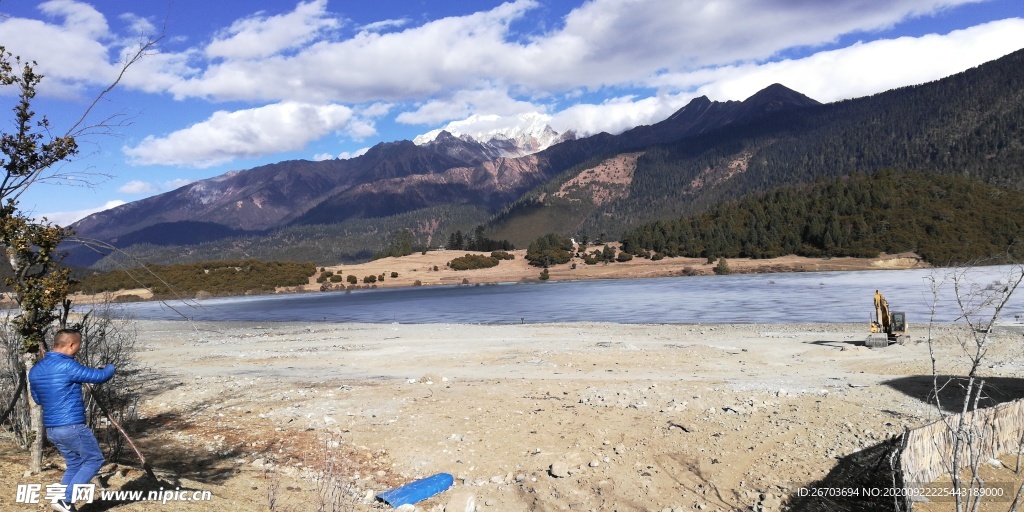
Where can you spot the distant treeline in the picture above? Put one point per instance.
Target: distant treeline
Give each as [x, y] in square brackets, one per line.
[402, 245]
[217, 278]
[476, 242]
[945, 219]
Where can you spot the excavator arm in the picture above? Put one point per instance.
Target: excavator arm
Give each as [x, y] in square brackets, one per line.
[881, 322]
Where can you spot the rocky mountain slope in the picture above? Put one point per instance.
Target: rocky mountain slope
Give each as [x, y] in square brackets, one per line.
[392, 178]
[707, 152]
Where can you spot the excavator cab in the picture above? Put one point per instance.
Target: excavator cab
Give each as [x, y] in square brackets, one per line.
[898, 323]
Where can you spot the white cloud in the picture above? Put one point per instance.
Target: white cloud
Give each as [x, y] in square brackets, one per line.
[138, 187]
[462, 104]
[861, 69]
[78, 17]
[380, 26]
[617, 115]
[344, 155]
[450, 52]
[376, 110]
[158, 72]
[226, 136]
[858, 70]
[69, 217]
[138, 25]
[145, 187]
[71, 55]
[602, 43]
[610, 42]
[360, 129]
[75, 49]
[297, 56]
[258, 36]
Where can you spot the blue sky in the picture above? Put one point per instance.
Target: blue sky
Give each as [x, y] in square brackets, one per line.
[234, 85]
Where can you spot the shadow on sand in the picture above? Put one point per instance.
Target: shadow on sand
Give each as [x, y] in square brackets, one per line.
[858, 482]
[952, 390]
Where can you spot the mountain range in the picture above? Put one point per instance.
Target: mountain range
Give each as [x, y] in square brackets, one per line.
[529, 134]
[536, 181]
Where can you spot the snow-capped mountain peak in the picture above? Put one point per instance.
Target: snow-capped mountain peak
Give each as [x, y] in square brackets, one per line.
[518, 135]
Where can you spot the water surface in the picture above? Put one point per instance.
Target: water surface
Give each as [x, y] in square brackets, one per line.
[749, 298]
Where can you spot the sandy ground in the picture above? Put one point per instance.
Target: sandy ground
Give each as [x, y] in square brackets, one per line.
[526, 417]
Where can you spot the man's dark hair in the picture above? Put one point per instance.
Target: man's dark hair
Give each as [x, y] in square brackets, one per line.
[64, 336]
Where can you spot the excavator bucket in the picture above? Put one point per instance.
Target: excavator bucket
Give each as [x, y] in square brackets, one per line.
[877, 340]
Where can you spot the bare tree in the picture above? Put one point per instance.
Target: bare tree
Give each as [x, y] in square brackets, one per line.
[30, 154]
[108, 337]
[981, 307]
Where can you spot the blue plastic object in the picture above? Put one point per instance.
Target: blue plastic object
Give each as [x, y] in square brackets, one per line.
[415, 492]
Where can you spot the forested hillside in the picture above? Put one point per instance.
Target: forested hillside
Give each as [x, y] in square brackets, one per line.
[216, 278]
[970, 125]
[943, 218]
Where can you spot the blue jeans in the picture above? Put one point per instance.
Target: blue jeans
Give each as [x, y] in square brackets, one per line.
[81, 452]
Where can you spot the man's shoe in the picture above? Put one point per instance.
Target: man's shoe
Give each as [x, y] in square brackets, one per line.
[63, 506]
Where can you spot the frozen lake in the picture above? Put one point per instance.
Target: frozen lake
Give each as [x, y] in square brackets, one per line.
[750, 298]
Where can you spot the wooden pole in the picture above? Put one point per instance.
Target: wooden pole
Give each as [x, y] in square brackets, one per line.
[142, 458]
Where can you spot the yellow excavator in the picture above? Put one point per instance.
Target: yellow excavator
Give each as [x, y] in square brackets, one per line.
[887, 326]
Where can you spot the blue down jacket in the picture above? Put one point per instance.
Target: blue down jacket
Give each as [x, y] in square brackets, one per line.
[56, 385]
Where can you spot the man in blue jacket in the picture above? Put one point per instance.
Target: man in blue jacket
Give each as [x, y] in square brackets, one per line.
[56, 385]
